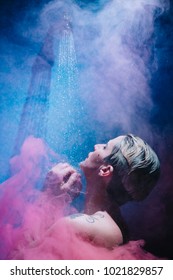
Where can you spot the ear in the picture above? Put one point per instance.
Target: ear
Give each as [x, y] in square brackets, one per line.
[105, 170]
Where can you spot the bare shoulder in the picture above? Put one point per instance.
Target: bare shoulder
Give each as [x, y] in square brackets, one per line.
[98, 228]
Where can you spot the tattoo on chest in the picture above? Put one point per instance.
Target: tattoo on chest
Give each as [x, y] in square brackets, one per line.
[76, 215]
[89, 219]
[94, 217]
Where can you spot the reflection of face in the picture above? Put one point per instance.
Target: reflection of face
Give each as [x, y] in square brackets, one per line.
[96, 158]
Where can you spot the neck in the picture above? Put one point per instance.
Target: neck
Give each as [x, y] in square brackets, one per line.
[96, 197]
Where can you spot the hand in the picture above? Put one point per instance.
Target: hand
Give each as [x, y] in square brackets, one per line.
[63, 178]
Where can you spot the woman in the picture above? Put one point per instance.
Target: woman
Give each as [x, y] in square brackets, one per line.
[124, 169]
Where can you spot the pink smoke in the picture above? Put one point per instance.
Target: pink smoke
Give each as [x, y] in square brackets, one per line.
[30, 219]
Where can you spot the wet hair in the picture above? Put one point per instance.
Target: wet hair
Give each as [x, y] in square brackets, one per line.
[136, 169]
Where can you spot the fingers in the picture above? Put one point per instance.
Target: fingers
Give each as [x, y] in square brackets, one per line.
[75, 178]
[63, 169]
[63, 178]
[60, 166]
[73, 186]
[64, 172]
[56, 176]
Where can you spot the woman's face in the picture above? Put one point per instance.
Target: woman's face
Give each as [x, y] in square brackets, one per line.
[96, 158]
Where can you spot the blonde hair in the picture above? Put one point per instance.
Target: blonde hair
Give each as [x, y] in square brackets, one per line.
[136, 165]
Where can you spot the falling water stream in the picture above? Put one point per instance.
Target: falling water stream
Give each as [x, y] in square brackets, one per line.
[65, 108]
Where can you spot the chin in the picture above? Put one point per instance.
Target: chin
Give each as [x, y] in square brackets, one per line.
[82, 164]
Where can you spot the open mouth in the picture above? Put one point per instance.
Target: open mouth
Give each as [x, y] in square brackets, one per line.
[90, 154]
